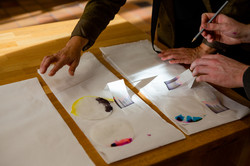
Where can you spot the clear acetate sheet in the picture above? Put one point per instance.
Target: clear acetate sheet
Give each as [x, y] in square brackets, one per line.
[136, 123]
[32, 132]
[192, 109]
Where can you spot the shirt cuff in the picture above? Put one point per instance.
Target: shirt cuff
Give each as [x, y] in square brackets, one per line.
[246, 82]
[217, 45]
[79, 31]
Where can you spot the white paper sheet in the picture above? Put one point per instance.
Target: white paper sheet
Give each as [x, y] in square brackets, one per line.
[31, 130]
[151, 131]
[137, 62]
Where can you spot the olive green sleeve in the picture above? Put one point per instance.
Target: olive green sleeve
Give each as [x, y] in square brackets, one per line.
[95, 18]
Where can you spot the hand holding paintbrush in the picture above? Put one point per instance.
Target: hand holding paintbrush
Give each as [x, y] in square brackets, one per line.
[210, 20]
[225, 30]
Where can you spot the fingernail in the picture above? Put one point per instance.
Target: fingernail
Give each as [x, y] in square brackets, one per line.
[50, 74]
[71, 72]
[41, 70]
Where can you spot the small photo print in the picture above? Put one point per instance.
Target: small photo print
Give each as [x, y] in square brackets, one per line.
[172, 84]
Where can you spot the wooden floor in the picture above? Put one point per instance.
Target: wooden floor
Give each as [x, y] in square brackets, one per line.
[22, 13]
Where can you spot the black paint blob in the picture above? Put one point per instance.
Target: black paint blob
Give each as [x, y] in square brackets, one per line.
[108, 107]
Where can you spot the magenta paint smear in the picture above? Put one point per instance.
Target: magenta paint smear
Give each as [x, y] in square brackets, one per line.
[122, 142]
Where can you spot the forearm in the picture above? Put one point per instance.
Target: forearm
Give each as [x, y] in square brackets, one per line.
[96, 17]
[77, 42]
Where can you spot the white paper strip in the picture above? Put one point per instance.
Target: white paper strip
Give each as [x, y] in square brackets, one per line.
[31, 130]
[150, 130]
[180, 80]
[180, 99]
[120, 93]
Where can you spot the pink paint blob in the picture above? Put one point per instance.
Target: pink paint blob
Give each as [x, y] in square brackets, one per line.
[122, 142]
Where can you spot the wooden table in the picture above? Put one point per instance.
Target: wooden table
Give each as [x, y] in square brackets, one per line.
[21, 51]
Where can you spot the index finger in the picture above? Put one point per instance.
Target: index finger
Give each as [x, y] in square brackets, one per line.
[47, 60]
[56, 67]
[205, 17]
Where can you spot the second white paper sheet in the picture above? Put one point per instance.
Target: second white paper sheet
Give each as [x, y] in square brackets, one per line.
[150, 130]
[138, 63]
[32, 132]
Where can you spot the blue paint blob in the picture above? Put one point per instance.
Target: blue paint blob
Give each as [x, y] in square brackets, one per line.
[196, 119]
[189, 119]
[179, 117]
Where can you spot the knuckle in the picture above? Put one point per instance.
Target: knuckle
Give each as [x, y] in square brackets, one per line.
[198, 79]
[201, 78]
[182, 49]
[216, 63]
[47, 57]
[218, 55]
[197, 69]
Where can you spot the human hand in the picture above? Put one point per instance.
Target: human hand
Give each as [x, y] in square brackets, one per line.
[219, 70]
[184, 55]
[224, 29]
[69, 55]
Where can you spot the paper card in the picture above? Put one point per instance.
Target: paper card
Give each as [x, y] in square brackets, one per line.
[120, 93]
[192, 83]
[180, 80]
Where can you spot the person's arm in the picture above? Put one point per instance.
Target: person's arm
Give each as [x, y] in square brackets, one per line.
[94, 20]
[97, 15]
